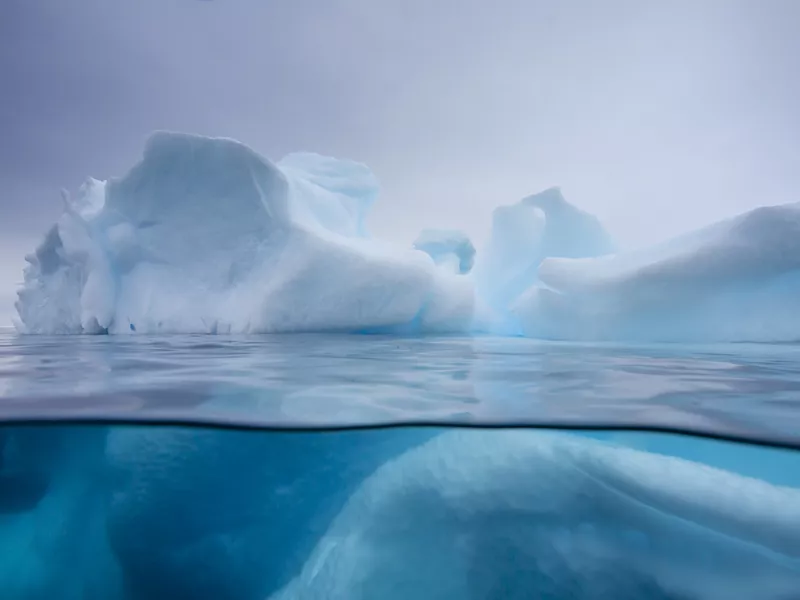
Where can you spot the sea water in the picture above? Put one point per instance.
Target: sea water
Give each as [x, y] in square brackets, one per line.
[350, 467]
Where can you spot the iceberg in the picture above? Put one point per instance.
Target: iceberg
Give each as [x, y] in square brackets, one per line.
[737, 280]
[204, 235]
[480, 514]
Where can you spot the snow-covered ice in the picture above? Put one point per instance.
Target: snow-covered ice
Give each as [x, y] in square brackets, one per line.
[205, 235]
[738, 280]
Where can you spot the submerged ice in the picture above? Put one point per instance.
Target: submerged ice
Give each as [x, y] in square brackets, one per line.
[205, 235]
[485, 514]
[135, 513]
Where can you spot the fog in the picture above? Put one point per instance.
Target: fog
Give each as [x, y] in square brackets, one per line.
[656, 116]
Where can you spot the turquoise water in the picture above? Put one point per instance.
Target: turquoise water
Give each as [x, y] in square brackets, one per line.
[359, 467]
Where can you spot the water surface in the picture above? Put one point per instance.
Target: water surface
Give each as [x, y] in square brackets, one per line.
[749, 391]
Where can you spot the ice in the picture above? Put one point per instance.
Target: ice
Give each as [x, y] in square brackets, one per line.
[131, 512]
[168, 512]
[205, 235]
[450, 249]
[523, 234]
[478, 514]
[335, 194]
[738, 280]
[230, 515]
[53, 544]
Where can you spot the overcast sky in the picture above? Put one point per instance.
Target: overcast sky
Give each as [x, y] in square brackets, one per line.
[656, 116]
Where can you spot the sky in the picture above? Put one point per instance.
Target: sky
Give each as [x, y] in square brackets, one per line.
[658, 117]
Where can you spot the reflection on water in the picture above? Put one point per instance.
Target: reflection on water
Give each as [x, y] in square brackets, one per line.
[135, 512]
[326, 380]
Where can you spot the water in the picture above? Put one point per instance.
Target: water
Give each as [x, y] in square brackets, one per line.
[745, 391]
[238, 468]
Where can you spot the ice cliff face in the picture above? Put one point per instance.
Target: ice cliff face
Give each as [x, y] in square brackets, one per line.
[205, 235]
